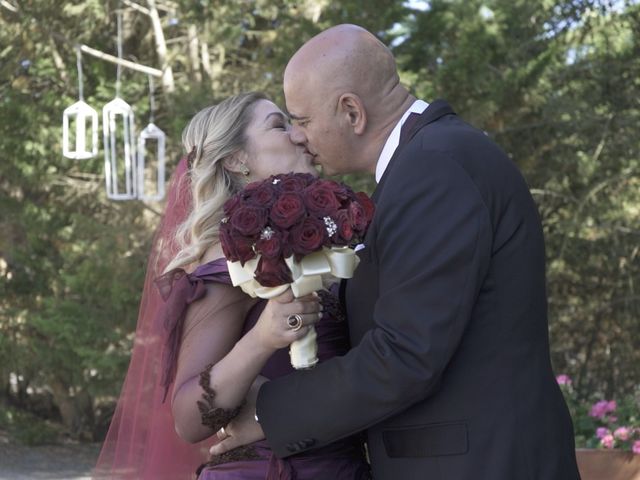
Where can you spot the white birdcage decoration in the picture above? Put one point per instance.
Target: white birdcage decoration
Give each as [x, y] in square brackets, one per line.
[79, 114]
[119, 150]
[151, 134]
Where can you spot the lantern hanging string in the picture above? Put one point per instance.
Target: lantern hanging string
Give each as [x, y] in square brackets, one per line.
[152, 101]
[119, 40]
[79, 65]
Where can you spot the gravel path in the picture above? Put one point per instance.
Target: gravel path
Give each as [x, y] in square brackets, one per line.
[48, 462]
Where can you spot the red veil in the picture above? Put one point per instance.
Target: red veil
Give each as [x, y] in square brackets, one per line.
[142, 443]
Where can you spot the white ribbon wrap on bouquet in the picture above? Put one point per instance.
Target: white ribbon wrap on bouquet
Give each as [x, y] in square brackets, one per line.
[309, 275]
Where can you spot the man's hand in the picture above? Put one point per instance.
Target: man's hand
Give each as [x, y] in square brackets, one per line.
[243, 429]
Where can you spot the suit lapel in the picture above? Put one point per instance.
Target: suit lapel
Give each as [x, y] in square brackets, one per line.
[434, 111]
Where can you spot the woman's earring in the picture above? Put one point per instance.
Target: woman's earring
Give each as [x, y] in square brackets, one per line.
[245, 170]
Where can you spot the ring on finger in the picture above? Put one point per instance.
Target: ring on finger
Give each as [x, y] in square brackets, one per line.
[294, 322]
[222, 434]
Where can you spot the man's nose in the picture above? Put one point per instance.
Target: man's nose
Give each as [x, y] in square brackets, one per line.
[297, 135]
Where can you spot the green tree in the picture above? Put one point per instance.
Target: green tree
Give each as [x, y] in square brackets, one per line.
[555, 83]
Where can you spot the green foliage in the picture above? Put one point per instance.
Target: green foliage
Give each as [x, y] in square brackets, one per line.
[552, 83]
[27, 428]
[595, 419]
[555, 83]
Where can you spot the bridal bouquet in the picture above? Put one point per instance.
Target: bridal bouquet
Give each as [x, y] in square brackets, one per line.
[293, 231]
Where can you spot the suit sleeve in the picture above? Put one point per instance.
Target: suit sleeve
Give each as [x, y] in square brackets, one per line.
[432, 246]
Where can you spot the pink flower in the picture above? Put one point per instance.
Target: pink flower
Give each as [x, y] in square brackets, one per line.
[607, 441]
[622, 433]
[636, 447]
[602, 432]
[563, 379]
[601, 408]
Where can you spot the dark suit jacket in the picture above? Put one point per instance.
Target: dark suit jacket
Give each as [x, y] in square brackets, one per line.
[450, 371]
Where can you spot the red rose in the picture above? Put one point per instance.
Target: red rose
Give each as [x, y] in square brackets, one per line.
[308, 237]
[236, 248]
[272, 272]
[231, 205]
[320, 199]
[271, 242]
[249, 220]
[287, 210]
[344, 234]
[358, 217]
[367, 204]
[340, 190]
[295, 182]
[263, 195]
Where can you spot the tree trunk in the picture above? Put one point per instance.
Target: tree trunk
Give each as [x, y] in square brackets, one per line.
[206, 61]
[76, 411]
[64, 402]
[194, 58]
[161, 48]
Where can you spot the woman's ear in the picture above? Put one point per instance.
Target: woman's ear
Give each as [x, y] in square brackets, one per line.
[350, 105]
[237, 163]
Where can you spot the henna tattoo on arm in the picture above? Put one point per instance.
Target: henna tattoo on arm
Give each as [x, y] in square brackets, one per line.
[212, 416]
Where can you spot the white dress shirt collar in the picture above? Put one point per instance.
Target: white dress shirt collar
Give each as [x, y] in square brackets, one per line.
[393, 141]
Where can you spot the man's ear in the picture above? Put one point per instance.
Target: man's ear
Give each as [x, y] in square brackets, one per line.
[350, 105]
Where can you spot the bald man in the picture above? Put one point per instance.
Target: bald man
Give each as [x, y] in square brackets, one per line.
[449, 372]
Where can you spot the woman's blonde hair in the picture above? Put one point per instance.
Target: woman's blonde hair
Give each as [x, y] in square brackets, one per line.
[216, 132]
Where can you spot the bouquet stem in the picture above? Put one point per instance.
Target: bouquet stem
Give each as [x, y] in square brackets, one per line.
[304, 352]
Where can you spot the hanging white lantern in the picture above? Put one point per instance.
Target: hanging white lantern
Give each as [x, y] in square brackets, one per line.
[117, 117]
[151, 134]
[80, 113]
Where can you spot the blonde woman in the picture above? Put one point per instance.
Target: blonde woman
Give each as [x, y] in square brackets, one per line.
[203, 347]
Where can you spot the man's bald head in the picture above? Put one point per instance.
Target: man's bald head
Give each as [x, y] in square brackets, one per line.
[344, 58]
[343, 91]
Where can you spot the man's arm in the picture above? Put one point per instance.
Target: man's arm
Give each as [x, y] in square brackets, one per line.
[432, 249]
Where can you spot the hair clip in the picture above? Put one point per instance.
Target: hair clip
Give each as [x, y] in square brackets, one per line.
[191, 156]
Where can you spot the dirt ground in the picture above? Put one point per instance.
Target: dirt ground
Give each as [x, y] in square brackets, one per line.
[47, 462]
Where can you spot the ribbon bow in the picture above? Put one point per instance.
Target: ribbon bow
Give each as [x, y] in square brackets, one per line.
[178, 289]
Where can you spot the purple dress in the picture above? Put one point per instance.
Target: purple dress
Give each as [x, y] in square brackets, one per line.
[341, 460]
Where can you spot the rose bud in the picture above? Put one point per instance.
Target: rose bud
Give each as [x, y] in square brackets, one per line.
[320, 199]
[367, 204]
[308, 236]
[270, 243]
[249, 220]
[234, 246]
[345, 232]
[294, 183]
[231, 205]
[358, 217]
[272, 272]
[263, 196]
[288, 210]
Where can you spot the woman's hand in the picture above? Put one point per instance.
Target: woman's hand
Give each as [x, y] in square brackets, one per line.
[277, 326]
[243, 429]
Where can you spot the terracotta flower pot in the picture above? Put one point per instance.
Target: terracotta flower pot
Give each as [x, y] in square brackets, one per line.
[608, 464]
